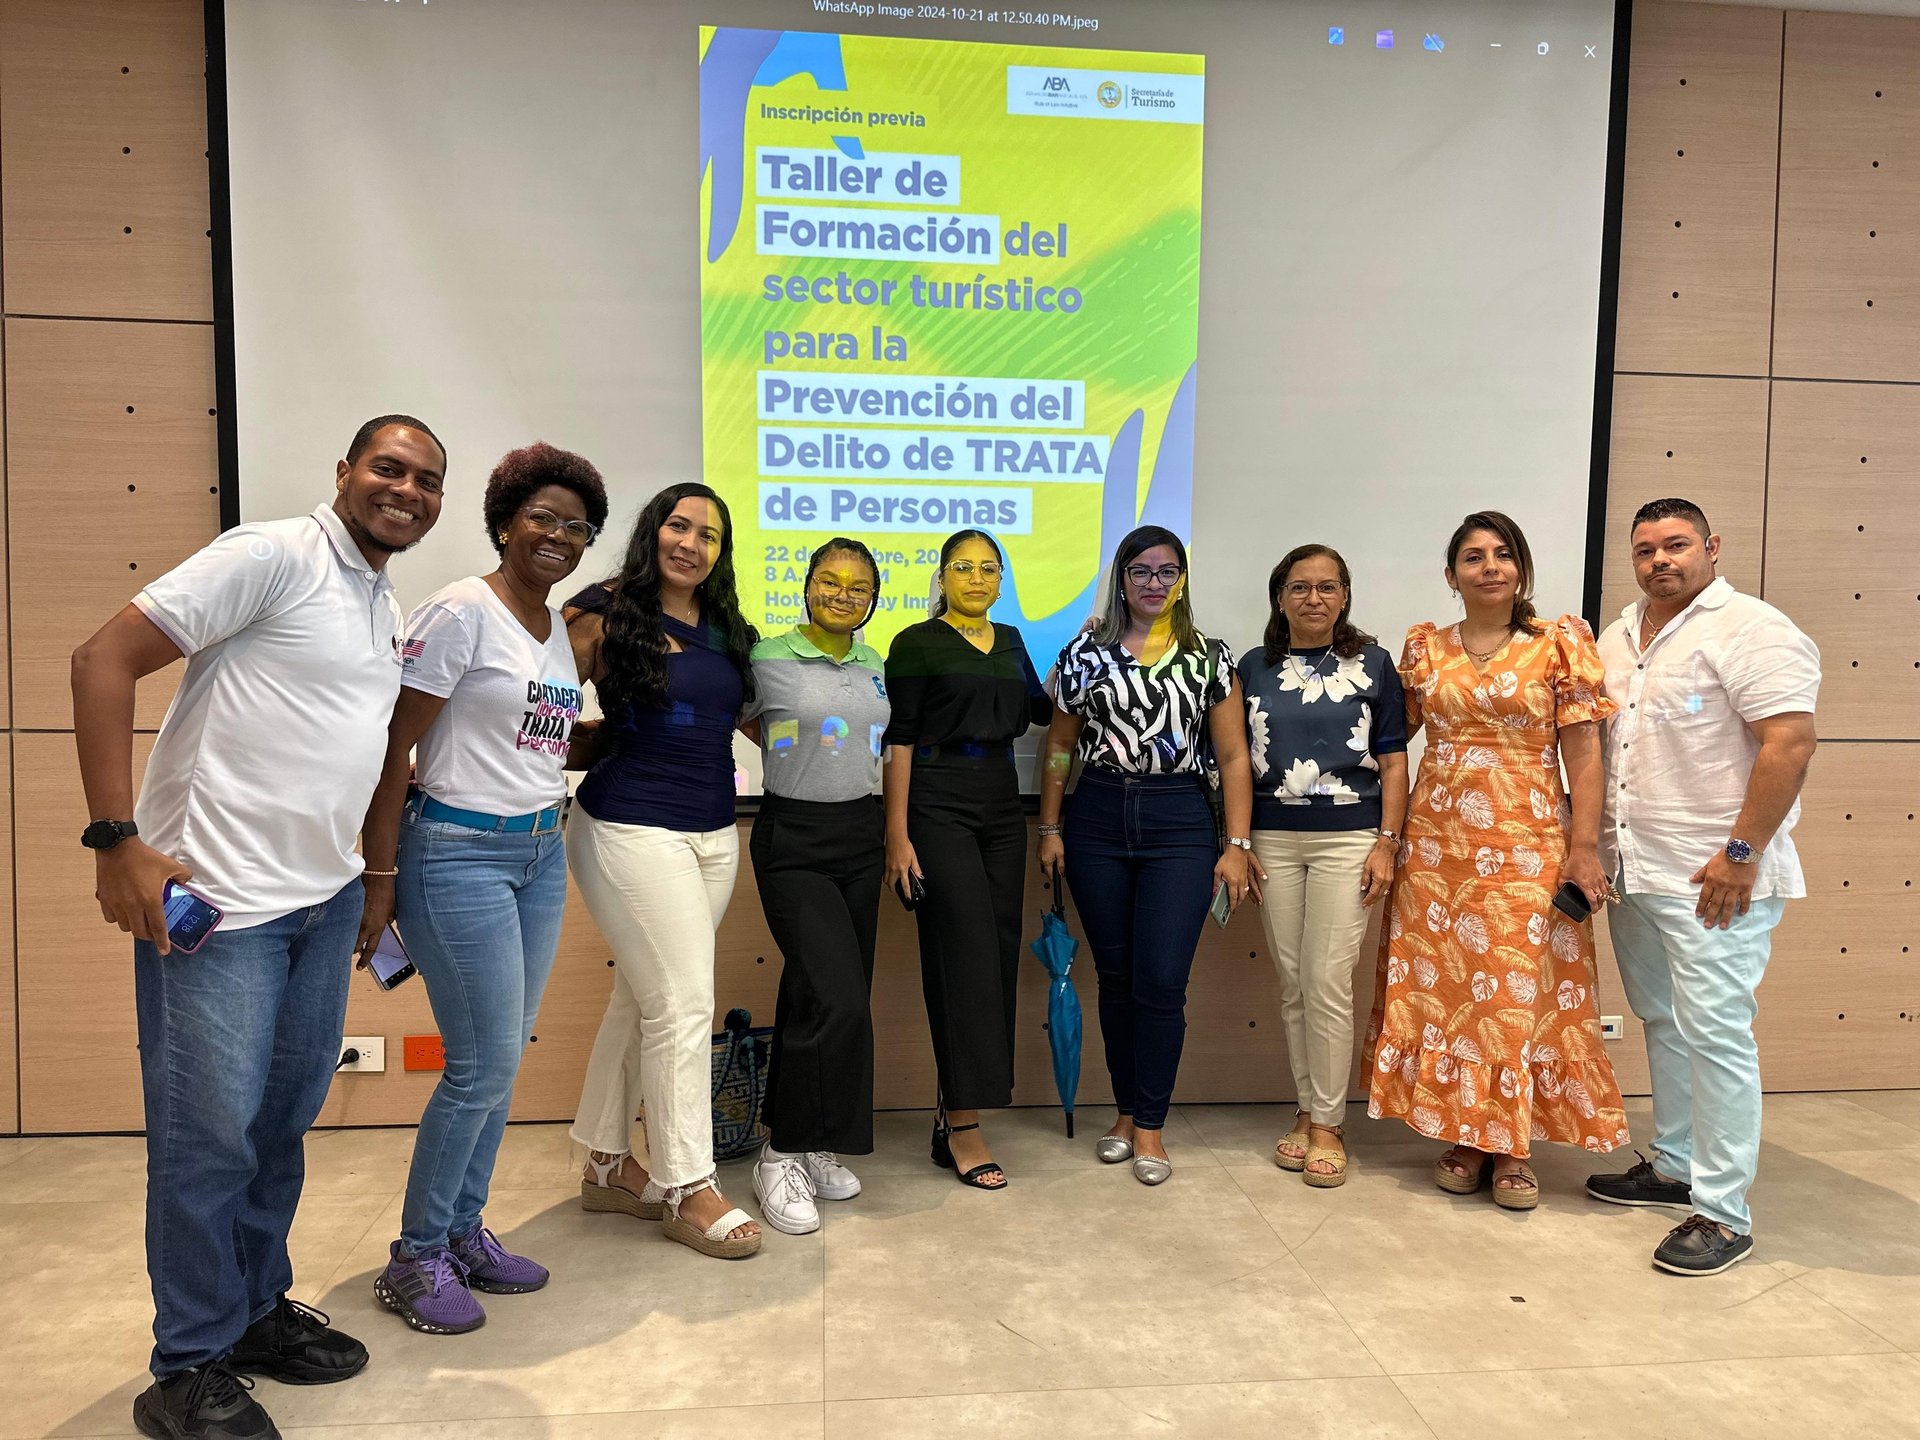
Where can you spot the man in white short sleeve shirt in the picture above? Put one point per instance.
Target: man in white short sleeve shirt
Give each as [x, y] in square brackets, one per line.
[253, 796]
[1705, 759]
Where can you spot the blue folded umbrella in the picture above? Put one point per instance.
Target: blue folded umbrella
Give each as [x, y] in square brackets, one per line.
[1055, 947]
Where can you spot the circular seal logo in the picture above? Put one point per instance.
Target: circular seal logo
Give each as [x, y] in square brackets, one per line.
[1109, 94]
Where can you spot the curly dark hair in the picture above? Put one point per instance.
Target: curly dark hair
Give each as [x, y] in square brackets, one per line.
[1348, 638]
[522, 473]
[842, 545]
[634, 647]
[1509, 534]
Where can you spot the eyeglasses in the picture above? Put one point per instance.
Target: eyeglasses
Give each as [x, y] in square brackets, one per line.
[1164, 576]
[858, 591]
[1326, 589]
[578, 531]
[988, 569]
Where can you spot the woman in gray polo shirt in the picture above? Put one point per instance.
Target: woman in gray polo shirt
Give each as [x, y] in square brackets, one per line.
[819, 850]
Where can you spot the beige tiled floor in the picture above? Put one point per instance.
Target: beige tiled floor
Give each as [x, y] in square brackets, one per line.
[1232, 1301]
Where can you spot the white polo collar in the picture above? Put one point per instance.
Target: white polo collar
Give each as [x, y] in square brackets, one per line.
[344, 546]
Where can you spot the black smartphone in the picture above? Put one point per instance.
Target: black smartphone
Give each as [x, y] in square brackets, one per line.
[389, 961]
[1570, 900]
[190, 917]
[913, 892]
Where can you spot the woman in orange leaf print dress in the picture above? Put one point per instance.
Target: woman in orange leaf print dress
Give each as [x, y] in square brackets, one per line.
[1485, 1027]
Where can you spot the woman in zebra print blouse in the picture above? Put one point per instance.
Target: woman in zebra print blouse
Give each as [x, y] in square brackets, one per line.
[1152, 708]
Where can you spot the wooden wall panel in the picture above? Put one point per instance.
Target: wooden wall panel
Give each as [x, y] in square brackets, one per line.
[1702, 439]
[1848, 298]
[1843, 547]
[1696, 254]
[103, 159]
[79, 1049]
[6, 599]
[1841, 1002]
[112, 479]
[9, 1015]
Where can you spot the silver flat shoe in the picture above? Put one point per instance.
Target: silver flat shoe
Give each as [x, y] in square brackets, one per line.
[1151, 1169]
[1112, 1149]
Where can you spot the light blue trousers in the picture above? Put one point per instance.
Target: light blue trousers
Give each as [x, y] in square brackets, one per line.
[1693, 989]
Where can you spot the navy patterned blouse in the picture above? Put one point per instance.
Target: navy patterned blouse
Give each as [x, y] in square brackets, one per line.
[1318, 726]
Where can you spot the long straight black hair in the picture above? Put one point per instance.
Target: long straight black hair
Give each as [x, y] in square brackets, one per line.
[1112, 628]
[635, 645]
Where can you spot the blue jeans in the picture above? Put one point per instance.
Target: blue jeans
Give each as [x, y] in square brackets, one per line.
[1693, 989]
[237, 1048]
[480, 914]
[1140, 858]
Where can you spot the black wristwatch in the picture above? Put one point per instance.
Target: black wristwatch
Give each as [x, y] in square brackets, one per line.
[105, 834]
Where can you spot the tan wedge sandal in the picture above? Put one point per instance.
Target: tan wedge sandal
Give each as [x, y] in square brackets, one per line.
[1523, 1190]
[1291, 1152]
[715, 1239]
[1337, 1176]
[1451, 1180]
[601, 1195]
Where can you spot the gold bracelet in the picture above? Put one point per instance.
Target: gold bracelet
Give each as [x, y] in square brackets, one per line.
[380, 872]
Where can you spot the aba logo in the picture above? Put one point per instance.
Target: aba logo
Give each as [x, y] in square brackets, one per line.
[1109, 94]
[1057, 85]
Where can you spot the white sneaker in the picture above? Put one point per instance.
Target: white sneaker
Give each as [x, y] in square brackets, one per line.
[831, 1179]
[785, 1193]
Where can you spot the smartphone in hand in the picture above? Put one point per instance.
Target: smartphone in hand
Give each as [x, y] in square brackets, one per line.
[911, 893]
[190, 917]
[1570, 900]
[389, 963]
[1221, 910]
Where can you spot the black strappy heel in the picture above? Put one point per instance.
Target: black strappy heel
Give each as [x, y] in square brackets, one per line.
[942, 1154]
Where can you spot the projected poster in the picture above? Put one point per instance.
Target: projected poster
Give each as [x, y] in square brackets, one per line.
[944, 285]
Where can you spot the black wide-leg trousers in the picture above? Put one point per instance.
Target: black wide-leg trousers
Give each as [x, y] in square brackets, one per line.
[819, 866]
[970, 835]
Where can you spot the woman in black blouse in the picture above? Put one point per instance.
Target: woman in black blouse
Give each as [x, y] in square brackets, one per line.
[963, 690]
[1150, 705]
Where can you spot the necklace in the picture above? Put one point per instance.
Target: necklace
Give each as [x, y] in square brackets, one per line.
[1649, 630]
[1481, 656]
[686, 619]
[1305, 675]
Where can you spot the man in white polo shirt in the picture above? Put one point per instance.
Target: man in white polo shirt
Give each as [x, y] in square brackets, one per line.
[253, 797]
[1705, 759]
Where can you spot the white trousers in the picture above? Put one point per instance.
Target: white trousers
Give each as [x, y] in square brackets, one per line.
[1315, 925]
[657, 896]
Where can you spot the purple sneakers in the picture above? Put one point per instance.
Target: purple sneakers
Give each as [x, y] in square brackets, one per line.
[429, 1292]
[491, 1267]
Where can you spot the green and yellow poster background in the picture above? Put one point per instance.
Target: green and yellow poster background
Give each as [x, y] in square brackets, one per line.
[1126, 191]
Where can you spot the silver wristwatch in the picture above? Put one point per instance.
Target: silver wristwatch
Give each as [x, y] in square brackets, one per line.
[1240, 844]
[1739, 852]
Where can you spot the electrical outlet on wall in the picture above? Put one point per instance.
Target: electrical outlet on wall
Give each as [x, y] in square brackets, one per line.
[370, 1052]
[1613, 1027]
